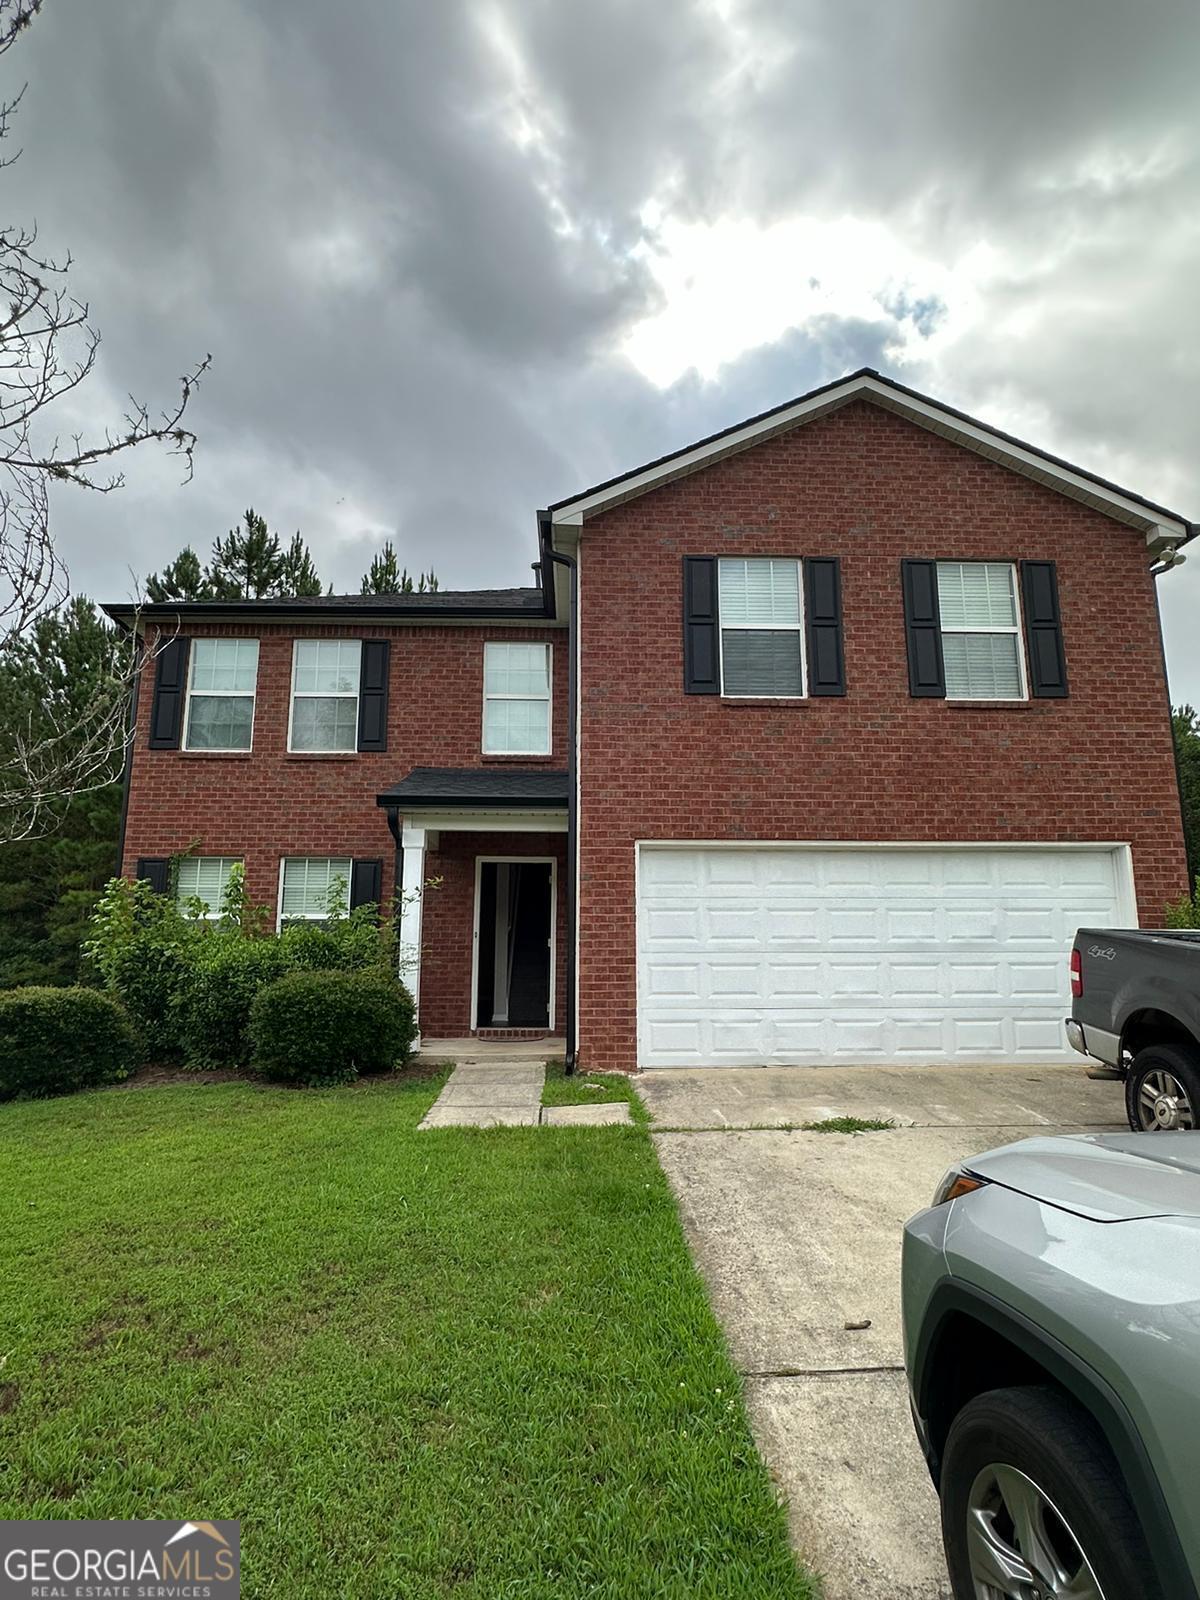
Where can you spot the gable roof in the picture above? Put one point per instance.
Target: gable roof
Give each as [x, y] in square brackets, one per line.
[1162, 528]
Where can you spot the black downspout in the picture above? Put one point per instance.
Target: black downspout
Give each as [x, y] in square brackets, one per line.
[131, 739]
[572, 800]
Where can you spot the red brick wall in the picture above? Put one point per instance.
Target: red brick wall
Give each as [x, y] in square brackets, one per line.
[269, 803]
[871, 488]
[448, 920]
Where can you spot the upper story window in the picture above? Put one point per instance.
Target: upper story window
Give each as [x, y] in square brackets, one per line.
[516, 699]
[761, 616]
[203, 878]
[981, 630]
[310, 885]
[325, 682]
[220, 701]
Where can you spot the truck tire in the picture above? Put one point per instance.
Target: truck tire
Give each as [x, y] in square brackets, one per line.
[1162, 1089]
[1033, 1499]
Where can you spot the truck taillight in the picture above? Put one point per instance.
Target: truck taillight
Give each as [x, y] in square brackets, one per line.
[1076, 975]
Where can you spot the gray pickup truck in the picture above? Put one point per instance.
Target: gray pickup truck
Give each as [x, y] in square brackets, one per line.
[1135, 1007]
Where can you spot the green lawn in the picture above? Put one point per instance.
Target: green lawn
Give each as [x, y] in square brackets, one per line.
[590, 1089]
[457, 1363]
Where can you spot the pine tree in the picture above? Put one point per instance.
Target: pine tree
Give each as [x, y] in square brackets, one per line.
[1185, 722]
[181, 579]
[248, 564]
[48, 885]
[383, 576]
[386, 577]
[299, 576]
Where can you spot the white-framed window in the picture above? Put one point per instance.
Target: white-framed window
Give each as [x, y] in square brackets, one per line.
[305, 883]
[762, 627]
[222, 674]
[981, 630]
[516, 699]
[325, 674]
[203, 878]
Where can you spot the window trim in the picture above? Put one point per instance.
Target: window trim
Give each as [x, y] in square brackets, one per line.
[1017, 630]
[206, 694]
[798, 628]
[295, 694]
[540, 644]
[215, 914]
[308, 916]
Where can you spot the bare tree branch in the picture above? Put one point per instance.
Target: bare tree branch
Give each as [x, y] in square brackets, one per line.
[48, 349]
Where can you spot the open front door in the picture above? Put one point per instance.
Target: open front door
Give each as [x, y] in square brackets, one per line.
[515, 944]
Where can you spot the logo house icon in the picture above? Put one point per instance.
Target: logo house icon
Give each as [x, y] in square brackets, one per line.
[186, 1529]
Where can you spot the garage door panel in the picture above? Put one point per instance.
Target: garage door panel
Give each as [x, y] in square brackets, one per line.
[802, 954]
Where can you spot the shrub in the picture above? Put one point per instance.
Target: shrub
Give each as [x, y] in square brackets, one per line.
[143, 947]
[324, 1028]
[212, 1005]
[354, 943]
[1185, 913]
[53, 1041]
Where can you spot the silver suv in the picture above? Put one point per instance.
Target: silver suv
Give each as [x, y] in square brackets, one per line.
[1052, 1340]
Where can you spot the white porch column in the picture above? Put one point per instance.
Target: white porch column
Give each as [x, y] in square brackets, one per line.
[411, 889]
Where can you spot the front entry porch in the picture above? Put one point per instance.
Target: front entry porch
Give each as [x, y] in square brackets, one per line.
[482, 862]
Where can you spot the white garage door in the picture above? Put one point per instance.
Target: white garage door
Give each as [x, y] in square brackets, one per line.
[756, 955]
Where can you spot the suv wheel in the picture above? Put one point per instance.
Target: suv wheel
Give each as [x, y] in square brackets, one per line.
[1033, 1505]
[1162, 1089]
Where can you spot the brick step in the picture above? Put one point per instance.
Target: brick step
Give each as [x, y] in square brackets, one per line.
[512, 1033]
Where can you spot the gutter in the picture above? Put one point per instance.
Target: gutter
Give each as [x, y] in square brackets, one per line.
[552, 555]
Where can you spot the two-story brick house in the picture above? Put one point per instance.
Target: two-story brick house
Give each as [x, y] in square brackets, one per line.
[814, 742]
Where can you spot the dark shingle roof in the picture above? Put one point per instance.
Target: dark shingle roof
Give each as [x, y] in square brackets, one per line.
[477, 786]
[499, 601]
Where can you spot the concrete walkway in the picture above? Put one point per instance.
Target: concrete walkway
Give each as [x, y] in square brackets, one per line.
[487, 1091]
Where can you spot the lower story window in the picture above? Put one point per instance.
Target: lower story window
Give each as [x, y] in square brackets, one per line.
[314, 886]
[203, 878]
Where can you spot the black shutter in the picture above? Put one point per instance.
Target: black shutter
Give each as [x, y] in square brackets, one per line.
[1043, 630]
[823, 625]
[373, 695]
[366, 883]
[156, 870]
[170, 682]
[923, 627]
[701, 628]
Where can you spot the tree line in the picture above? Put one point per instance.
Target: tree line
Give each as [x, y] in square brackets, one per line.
[54, 674]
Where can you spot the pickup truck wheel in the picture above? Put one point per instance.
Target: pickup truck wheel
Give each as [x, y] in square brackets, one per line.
[1162, 1089]
[1034, 1506]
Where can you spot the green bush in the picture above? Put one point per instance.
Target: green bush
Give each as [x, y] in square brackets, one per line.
[53, 1041]
[324, 1028]
[354, 943]
[212, 1005]
[1185, 913]
[143, 948]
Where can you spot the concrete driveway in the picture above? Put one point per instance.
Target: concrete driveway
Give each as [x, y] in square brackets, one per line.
[798, 1237]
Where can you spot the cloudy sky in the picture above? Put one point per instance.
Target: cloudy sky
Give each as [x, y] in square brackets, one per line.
[455, 259]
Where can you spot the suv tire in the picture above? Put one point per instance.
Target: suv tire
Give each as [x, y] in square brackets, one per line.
[1041, 1451]
[1162, 1089]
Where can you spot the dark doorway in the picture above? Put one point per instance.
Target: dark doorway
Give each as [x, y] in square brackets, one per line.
[515, 911]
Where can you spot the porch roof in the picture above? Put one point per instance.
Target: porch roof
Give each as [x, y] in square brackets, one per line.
[477, 789]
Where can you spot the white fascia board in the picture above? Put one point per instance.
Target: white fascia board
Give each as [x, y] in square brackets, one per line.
[451, 820]
[1160, 530]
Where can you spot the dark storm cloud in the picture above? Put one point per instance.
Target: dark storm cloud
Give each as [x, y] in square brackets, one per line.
[414, 237]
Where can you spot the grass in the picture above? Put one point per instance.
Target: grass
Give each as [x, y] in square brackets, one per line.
[847, 1125]
[591, 1089]
[469, 1364]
